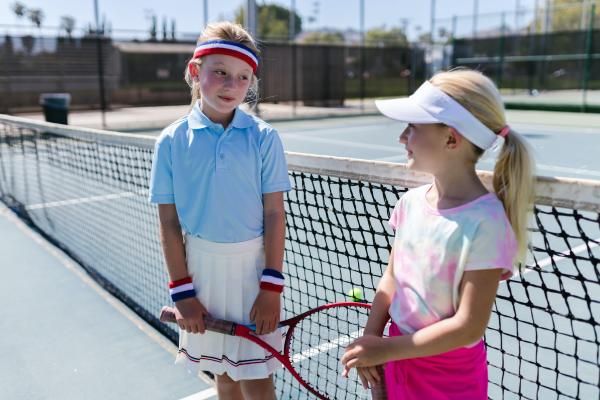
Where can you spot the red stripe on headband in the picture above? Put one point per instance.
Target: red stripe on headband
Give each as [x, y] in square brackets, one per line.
[227, 52]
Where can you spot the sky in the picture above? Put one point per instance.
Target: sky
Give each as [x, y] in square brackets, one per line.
[339, 14]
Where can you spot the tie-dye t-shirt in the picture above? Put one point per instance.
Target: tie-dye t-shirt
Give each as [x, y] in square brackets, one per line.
[433, 248]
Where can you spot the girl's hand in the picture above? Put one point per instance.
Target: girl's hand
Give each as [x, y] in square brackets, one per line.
[366, 351]
[369, 376]
[190, 315]
[265, 311]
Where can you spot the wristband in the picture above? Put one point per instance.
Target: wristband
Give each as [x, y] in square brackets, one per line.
[272, 280]
[181, 289]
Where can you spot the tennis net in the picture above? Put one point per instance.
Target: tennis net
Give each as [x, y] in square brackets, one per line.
[86, 191]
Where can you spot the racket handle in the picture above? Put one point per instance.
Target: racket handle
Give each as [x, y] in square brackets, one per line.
[167, 315]
[379, 391]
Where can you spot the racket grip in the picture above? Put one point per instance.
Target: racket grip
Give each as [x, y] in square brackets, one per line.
[167, 315]
[379, 391]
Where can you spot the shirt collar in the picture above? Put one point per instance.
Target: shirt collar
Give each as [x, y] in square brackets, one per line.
[198, 120]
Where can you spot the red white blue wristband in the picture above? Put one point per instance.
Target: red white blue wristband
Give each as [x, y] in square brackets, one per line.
[182, 289]
[272, 280]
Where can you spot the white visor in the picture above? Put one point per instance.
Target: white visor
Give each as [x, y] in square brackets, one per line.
[430, 105]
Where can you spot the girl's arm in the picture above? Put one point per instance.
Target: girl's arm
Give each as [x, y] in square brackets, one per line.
[189, 311]
[378, 316]
[267, 306]
[478, 292]
[274, 222]
[171, 240]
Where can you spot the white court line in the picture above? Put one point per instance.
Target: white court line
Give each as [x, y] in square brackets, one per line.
[203, 395]
[335, 128]
[323, 347]
[80, 200]
[579, 171]
[555, 168]
[543, 129]
[346, 143]
[398, 158]
[576, 250]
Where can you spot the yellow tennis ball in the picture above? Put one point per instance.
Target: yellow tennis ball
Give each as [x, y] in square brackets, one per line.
[355, 294]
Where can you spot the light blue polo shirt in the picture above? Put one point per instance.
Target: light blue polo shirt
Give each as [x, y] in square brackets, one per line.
[216, 177]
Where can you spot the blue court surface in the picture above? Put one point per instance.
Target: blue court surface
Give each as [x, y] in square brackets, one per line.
[564, 144]
[64, 337]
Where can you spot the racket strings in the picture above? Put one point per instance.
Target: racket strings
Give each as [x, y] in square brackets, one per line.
[318, 343]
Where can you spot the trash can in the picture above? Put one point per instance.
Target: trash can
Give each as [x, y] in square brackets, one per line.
[56, 107]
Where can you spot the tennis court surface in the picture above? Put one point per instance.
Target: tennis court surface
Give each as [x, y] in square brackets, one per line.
[85, 191]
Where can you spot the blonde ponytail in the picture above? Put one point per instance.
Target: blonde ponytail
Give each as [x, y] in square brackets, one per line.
[513, 179]
[514, 185]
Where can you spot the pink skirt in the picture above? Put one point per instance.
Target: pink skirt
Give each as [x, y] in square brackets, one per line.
[457, 374]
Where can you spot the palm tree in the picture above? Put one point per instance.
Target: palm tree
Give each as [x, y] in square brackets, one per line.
[67, 23]
[36, 16]
[18, 9]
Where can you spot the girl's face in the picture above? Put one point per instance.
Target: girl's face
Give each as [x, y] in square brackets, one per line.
[224, 81]
[427, 146]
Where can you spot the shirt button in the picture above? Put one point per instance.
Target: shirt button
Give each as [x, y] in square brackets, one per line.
[222, 156]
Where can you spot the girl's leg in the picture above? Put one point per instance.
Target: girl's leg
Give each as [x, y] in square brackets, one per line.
[227, 388]
[258, 389]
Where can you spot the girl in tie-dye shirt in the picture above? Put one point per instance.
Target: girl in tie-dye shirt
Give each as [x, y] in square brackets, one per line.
[454, 241]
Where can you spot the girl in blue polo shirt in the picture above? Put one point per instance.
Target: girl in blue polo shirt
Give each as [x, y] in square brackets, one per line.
[218, 177]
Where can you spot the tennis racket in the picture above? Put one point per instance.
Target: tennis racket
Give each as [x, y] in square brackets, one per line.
[314, 344]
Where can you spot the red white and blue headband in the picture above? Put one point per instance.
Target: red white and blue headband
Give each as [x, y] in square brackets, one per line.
[430, 104]
[228, 48]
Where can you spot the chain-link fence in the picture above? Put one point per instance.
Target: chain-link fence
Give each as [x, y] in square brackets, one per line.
[151, 72]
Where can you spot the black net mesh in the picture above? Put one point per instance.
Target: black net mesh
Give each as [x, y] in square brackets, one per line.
[88, 195]
[317, 345]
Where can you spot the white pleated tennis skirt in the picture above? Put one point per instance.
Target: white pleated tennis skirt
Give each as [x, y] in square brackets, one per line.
[226, 277]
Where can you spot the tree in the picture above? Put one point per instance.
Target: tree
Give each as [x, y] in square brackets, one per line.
[8, 47]
[67, 23]
[28, 43]
[164, 28]
[36, 16]
[173, 29]
[424, 38]
[384, 37]
[18, 9]
[273, 21]
[564, 16]
[322, 37]
[153, 28]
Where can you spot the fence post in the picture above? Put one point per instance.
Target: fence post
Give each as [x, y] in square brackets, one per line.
[362, 55]
[588, 56]
[292, 39]
[100, 60]
[452, 36]
[500, 69]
